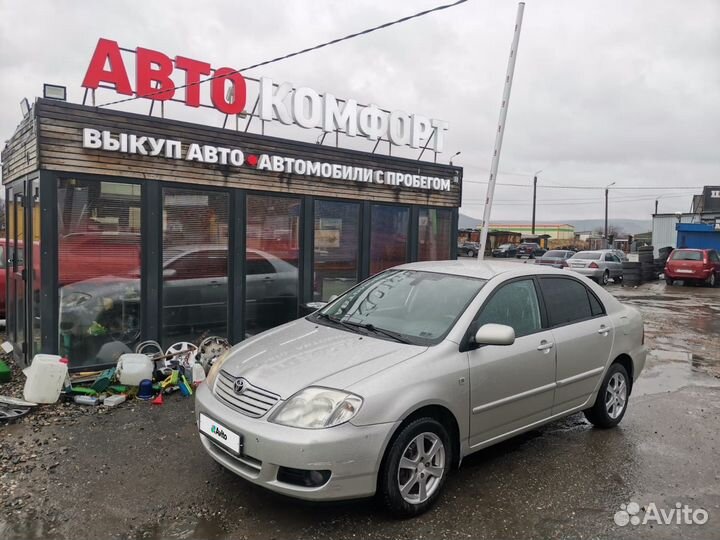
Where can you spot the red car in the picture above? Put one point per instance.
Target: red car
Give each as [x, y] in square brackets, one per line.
[698, 265]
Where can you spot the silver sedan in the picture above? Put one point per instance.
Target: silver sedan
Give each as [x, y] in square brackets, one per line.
[601, 265]
[386, 389]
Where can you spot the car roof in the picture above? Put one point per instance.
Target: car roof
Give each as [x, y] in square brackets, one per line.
[478, 269]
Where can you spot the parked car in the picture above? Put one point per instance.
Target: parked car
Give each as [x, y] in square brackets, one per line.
[505, 250]
[529, 250]
[693, 265]
[195, 294]
[469, 249]
[386, 389]
[557, 258]
[600, 266]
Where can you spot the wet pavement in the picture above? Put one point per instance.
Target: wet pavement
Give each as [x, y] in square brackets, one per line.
[140, 472]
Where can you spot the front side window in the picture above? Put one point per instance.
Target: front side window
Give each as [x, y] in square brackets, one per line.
[417, 307]
[567, 301]
[516, 305]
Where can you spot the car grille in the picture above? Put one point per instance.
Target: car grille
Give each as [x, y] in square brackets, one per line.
[253, 401]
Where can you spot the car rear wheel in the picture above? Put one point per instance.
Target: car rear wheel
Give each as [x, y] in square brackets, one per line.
[711, 280]
[415, 468]
[669, 280]
[611, 401]
[470, 253]
[605, 277]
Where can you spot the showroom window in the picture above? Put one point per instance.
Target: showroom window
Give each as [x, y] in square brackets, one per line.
[98, 269]
[195, 265]
[336, 248]
[271, 259]
[434, 232]
[388, 237]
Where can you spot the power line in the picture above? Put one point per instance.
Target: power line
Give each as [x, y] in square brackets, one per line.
[298, 53]
[687, 188]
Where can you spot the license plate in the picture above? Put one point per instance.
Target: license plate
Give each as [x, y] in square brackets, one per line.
[683, 271]
[220, 434]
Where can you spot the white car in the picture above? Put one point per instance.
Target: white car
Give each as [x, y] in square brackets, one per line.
[388, 387]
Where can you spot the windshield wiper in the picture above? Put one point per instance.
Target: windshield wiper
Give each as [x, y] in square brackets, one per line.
[387, 333]
[348, 326]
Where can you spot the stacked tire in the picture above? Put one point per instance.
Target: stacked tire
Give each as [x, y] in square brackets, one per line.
[647, 264]
[632, 273]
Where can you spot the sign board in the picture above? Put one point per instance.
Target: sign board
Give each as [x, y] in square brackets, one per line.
[156, 75]
[129, 143]
[711, 199]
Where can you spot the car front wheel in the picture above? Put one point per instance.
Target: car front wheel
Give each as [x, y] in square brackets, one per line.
[611, 401]
[415, 468]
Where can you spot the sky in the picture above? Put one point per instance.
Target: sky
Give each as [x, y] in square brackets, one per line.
[624, 91]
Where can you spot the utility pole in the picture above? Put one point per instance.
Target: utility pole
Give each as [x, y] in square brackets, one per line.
[607, 190]
[656, 206]
[500, 131]
[534, 200]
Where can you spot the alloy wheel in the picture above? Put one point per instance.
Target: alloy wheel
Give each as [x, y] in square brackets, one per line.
[421, 468]
[605, 278]
[615, 395]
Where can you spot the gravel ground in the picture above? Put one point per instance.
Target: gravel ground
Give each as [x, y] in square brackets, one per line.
[139, 471]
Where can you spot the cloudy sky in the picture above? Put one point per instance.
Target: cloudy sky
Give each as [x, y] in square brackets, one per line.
[624, 91]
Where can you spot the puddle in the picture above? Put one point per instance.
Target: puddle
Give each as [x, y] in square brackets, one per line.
[669, 371]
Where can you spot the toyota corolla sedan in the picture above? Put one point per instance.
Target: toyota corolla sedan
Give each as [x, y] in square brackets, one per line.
[387, 388]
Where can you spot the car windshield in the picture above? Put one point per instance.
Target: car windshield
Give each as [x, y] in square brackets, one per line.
[680, 255]
[411, 306]
[592, 255]
[554, 255]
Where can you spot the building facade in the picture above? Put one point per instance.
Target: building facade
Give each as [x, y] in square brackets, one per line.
[123, 227]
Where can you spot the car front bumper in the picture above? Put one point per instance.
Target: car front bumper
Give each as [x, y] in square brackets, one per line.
[351, 453]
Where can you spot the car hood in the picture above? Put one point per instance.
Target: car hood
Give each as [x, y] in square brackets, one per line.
[299, 354]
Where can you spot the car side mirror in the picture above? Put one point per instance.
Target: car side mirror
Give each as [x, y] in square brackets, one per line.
[169, 273]
[494, 334]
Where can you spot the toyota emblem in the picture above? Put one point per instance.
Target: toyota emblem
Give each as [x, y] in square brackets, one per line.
[239, 386]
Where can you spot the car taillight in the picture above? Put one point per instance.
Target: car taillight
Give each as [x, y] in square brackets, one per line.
[563, 264]
[593, 265]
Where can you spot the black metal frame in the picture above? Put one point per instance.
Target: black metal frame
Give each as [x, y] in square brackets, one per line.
[151, 248]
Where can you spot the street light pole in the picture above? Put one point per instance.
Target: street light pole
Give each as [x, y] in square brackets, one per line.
[607, 190]
[534, 200]
[500, 131]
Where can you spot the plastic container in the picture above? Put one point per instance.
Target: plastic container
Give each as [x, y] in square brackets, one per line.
[114, 401]
[198, 374]
[133, 368]
[85, 400]
[45, 378]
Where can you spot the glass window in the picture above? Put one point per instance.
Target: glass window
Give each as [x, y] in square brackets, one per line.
[714, 257]
[609, 257]
[98, 270]
[388, 237]
[566, 300]
[596, 307]
[587, 255]
[516, 305]
[411, 306]
[434, 228]
[195, 265]
[686, 255]
[273, 241]
[35, 277]
[337, 233]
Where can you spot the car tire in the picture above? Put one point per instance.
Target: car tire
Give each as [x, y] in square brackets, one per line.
[610, 405]
[605, 277]
[711, 280]
[404, 466]
[470, 253]
[669, 281]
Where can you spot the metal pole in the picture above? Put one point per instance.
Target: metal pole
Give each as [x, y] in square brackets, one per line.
[534, 202]
[500, 131]
[656, 205]
[606, 216]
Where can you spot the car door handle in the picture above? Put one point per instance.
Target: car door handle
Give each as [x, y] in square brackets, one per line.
[545, 346]
[603, 330]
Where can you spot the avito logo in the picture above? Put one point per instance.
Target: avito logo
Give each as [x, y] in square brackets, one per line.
[219, 432]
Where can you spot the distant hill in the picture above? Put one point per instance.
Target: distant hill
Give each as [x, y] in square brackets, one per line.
[630, 226]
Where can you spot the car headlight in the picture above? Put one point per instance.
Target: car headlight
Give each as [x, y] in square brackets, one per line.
[215, 368]
[74, 299]
[317, 408]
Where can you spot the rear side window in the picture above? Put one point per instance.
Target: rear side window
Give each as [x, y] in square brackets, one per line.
[714, 257]
[568, 301]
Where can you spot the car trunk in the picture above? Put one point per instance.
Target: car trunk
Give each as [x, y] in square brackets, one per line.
[581, 263]
[686, 267]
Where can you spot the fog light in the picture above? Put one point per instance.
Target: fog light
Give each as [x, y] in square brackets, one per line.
[302, 477]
